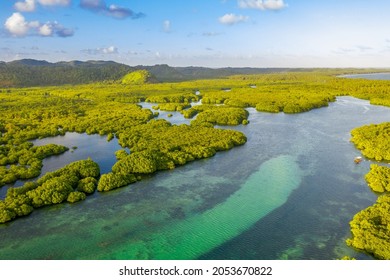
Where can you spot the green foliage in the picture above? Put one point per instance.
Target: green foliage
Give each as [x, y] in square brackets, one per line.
[221, 115]
[236, 103]
[81, 169]
[109, 109]
[24, 160]
[183, 99]
[6, 214]
[159, 145]
[111, 181]
[167, 138]
[378, 178]
[371, 226]
[41, 73]
[110, 136]
[76, 196]
[141, 162]
[52, 191]
[53, 188]
[172, 106]
[269, 107]
[370, 229]
[87, 185]
[288, 93]
[373, 140]
[190, 113]
[347, 258]
[120, 154]
[139, 77]
[245, 122]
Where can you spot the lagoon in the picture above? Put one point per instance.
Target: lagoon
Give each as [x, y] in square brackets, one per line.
[288, 193]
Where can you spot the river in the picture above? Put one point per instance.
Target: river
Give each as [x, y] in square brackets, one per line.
[370, 76]
[288, 193]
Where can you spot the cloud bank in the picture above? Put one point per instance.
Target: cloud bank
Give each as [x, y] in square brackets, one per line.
[54, 2]
[26, 6]
[97, 51]
[31, 5]
[100, 7]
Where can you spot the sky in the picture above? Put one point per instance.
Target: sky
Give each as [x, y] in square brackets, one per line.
[209, 33]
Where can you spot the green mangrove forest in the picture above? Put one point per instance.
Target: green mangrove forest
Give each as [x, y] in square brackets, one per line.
[371, 226]
[149, 144]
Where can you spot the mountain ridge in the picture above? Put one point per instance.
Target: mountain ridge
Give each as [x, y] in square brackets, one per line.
[31, 72]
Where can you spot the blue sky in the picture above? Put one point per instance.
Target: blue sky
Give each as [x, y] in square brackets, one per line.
[212, 33]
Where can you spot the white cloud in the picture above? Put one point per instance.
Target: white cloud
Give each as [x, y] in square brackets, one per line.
[54, 28]
[26, 6]
[262, 4]
[46, 30]
[167, 26]
[231, 19]
[17, 26]
[110, 49]
[30, 5]
[54, 2]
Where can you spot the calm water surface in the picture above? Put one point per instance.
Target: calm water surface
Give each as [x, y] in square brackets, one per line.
[288, 193]
[372, 76]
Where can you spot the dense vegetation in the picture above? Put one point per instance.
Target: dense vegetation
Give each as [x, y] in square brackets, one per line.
[29, 72]
[378, 178]
[373, 140]
[70, 183]
[172, 106]
[217, 115]
[371, 227]
[139, 77]
[111, 109]
[41, 73]
[24, 161]
[171, 97]
[158, 145]
[273, 99]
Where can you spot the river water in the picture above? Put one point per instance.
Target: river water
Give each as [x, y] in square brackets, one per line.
[288, 193]
[372, 76]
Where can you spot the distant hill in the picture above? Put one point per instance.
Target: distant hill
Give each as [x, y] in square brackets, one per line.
[30, 72]
[166, 73]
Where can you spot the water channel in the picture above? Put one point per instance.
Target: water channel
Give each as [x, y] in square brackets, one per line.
[288, 193]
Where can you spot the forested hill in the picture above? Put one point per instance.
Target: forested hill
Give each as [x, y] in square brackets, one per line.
[166, 73]
[30, 72]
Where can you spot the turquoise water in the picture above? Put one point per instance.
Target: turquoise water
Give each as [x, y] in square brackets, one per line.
[288, 193]
[275, 179]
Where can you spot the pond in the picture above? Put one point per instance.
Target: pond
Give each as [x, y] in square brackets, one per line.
[288, 193]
